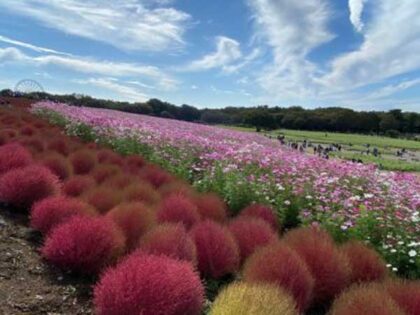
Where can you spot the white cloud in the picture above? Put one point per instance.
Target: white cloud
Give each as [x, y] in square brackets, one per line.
[39, 49]
[356, 10]
[126, 92]
[93, 66]
[125, 24]
[227, 51]
[390, 47]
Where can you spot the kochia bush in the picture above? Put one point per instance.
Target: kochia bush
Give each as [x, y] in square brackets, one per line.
[279, 265]
[57, 164]
[13, 156]
[211, 206]
[50, 212]
[217, 251]
[406, 294]
[24, 186]
[250, 234]
[83, 161]
[149, 285]
[253, 299]
[103, 198]
[77, 185]
[264, 212]
[85, 245]
[169, 239]
[178, 208]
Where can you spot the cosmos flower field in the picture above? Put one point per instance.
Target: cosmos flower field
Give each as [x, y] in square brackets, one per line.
[175, 218]
[348, 199]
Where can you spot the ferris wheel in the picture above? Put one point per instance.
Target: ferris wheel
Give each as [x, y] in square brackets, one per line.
[28, 86]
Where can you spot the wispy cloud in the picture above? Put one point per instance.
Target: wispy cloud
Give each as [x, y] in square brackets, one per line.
[125, 24]
[93, 66]
[356, 10]
[39, 49]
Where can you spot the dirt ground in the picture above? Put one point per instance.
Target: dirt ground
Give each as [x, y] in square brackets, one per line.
[27, 284]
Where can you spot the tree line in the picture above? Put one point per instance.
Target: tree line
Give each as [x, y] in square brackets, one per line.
[391, 123]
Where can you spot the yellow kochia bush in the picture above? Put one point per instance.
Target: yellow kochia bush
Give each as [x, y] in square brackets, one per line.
[253, 299]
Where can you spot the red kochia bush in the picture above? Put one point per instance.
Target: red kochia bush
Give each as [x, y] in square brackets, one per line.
[155, 175]
[217, 251]
[406, 294]
[262, 212]
[77, 185]
[84, 244]
[33, 143]
[211, 206]
[365, 264]
[57, 164]
[83, 161]
[280, 265]
[109, 156]
[251, 233]
[178, 208]
[105, 171]
[329, 267]
[59, 145]
[13, 156]
[149, 285]
[23, 186]
[103, 198]
[365, 300]
[134, 219]
[169, 239]
[133, 163]
[50, 212]
[141, 191]
[27, 130]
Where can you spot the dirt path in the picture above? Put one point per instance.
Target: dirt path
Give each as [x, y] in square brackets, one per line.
[27, 284]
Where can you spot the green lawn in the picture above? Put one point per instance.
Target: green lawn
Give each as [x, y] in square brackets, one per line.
[354, 144]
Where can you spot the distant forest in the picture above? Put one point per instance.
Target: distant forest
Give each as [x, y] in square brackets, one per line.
[392, 123]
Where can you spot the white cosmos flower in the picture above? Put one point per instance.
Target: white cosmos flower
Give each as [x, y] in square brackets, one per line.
[412, 253]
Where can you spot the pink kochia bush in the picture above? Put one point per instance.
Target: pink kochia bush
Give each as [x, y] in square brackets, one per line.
[263, 212]
[134, 219]
[149, 285]
[83, 161]
[23, 186]
[178, 208]
[85, 245]
[169, 239]
[329, 267]
[250, 234]
[217, 251]
[50, 212]
[57, 164]
[406, 294]
[280, 265]
[13, 156]
[365, 264]
[77, 185]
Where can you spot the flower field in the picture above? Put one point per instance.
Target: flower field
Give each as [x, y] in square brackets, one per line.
[349, 200]
[262, 230]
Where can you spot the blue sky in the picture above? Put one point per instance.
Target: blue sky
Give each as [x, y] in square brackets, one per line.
[363, 54]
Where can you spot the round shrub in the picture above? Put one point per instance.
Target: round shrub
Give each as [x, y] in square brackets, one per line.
[104, 171]
[250, 234]
[133, 163]
[406, 294]
[109, 156]
[178, 208]
[329, 267]
[32, 143]
[365, 300]
[60, 145]
[178, 187]
[77, 185]
[57, 164]
[121, 180]
[217, 251]
[13, 156]
[169, 239]
[50, 212]
[23, 186]
[83, 161]
[27, 130]
[141, 191]
[149, 285]
[155, 175]
[365, 264]
[83, 244]
[211, 206]
[103, 198]
[134, 219]
[264, 212]
[279, 265]
[253, 299]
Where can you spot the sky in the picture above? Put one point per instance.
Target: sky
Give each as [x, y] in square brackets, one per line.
[361, 54]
